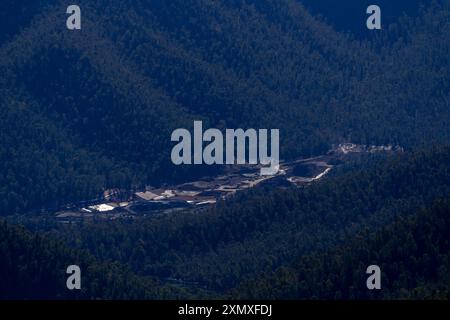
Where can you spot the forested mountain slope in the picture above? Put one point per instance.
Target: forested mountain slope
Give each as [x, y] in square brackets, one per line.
[413, 255]
[336, 12]
[314, 242]
[261, 231]
[34, 267]
[84, 111]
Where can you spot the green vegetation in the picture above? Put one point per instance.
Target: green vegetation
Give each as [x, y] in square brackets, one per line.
[89, 110]
[83, 111]
[236, 244]
[413, 254]
[34, 267]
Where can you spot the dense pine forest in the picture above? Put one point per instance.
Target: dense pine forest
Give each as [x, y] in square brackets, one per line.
[34, 267]
[414, 252]
[89, 110]
[266, 244]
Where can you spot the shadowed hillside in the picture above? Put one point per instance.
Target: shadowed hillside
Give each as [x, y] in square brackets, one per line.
[114, 91]
[93, 109]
